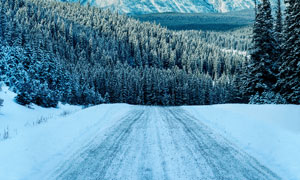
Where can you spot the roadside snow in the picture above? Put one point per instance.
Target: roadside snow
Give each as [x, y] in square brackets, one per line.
[32, 150]
[14, 117]
[270, 133]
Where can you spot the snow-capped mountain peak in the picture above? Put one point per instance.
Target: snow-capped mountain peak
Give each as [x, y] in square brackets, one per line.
[182, 6]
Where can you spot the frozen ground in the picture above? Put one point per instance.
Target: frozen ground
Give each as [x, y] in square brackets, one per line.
[270, 133]
[13, 117]
[138, 142]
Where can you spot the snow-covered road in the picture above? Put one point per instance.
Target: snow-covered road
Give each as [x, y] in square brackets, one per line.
[160, 143]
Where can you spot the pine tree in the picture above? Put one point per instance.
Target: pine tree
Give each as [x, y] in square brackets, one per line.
[2, 23]
[79, 52]
[260, 72]
[106, 98]
[290, 69]
[25, 94]
[279, 40]
[278, 25]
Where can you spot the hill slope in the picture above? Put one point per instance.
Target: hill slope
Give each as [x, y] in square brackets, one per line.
[102, 54]
[200, 21]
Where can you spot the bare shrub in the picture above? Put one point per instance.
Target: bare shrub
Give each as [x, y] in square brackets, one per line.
[5, 134]
[41, 120]
[1, 102]
[65, 113]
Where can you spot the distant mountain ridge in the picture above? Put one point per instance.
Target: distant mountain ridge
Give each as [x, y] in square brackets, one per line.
[160, 6]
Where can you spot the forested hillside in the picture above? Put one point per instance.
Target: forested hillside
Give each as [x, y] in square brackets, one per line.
[54, 51]
[201, 21]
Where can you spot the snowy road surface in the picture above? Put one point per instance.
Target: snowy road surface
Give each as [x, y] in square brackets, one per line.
[160, 143]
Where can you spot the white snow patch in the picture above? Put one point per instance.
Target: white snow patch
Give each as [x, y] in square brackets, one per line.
[236, 52]
[14, 117]
[35, 150]
[270, 133]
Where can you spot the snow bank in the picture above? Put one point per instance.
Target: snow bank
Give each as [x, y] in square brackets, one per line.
[34, 149]
[14, 117]
[270, 133]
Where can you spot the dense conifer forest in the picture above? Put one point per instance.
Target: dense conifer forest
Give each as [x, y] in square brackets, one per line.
[273, 74]
[200, 21]
[54, 52]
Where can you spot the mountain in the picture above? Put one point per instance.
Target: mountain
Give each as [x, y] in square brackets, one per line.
[182, 6]
[179, 6]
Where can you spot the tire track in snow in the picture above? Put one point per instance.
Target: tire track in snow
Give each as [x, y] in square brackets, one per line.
[94, 163]
[190, 167]
[223, 158]
[130, 151]
[162, 143]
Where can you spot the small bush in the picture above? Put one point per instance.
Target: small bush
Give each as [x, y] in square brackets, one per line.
[42, 120]
[39, 121]
[1, 100]
[5, 134]
[65, 113]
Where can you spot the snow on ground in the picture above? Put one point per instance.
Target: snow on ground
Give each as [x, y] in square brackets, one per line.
[270, 133]
[40, 139]
[38, 148]
[14, 118]
[160, 143]
[236, 52]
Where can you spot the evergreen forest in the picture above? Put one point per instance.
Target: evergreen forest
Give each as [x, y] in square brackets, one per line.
[54, 52]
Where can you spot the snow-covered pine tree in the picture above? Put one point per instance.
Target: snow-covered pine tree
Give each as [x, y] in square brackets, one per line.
[278, 24]
[279, 38]
[260, 73]
[98, 48]
[106, 98]
[2, 24]
[290, 70]
[26, 93]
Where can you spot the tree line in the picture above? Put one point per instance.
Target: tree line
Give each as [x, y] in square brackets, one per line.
[53, 51]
